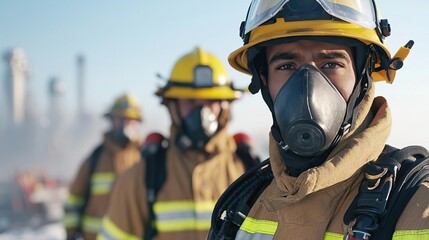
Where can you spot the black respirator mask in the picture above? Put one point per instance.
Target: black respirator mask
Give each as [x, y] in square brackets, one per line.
[127, 133]
[197, 128]
[309, 111]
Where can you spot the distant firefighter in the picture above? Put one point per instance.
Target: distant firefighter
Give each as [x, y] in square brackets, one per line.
[90, 190]
[171, 194]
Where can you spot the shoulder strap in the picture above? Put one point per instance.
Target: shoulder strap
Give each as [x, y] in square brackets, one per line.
[92, 164]
[235, 203]
[388, 185]
[413, 172]
[154, 154]
[245, 151]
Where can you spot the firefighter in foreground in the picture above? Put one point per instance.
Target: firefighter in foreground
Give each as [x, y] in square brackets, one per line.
[315, 63]
[90, 191]
[200, 160]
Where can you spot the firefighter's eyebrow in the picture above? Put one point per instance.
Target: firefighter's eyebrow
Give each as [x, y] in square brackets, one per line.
[283, 56]
[333, 55]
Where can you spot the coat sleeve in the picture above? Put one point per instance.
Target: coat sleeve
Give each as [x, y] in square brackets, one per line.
[75, 201]
[127, 212]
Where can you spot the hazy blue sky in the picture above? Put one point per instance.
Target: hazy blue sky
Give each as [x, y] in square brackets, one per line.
[127, 42]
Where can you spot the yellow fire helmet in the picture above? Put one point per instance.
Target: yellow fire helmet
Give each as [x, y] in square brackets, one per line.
[199, 75]
[125, 106]
[269, 20]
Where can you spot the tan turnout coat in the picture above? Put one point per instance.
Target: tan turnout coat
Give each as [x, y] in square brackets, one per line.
[312, 205]
[194, 182]
[114, 159]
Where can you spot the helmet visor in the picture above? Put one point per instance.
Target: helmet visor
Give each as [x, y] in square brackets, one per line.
[360, 12]
[262, 10]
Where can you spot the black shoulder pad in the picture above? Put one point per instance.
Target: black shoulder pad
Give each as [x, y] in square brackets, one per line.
[93, 159]
[154, 155]
[414, 171]
[237, 201]
[92, 164]
[154, 142]
[376, 212]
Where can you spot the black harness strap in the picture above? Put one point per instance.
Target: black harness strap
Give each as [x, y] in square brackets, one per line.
[389, 184]
[92, 164]
[413, 172]
[235, 203]
[154, 155]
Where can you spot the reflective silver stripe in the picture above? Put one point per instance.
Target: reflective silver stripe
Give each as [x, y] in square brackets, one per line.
[204, 215]
[105, 235]
[69, 208]
[70, 220]
[73, 203]
[91, 224]
[256, 236]
[109, 231]
[170, 216]
[183, 215]
[102, 182]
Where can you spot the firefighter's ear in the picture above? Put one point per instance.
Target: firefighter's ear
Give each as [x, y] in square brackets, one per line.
[263, 77]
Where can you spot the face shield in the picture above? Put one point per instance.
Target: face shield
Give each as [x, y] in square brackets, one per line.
[360, 12]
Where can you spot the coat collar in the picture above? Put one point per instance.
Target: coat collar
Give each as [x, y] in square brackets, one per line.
[115, 145]
[220, 142]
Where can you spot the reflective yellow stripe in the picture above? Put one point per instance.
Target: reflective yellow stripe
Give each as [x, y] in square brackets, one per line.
[253, 226]
[100, 190]
[182, 225]
[101, 182]
[103, 176]
[172, 206]
[100, 237]
[73, 200]
[71, 220]
[205, 206]
[398, 235]
[183, 205]
[411, 235]
[109, 231]
[333, 236]
[183, 215]
[72, 206]
[91, 224]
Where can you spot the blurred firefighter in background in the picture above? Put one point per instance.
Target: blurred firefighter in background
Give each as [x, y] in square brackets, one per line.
[90, 190]
[191, 168]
